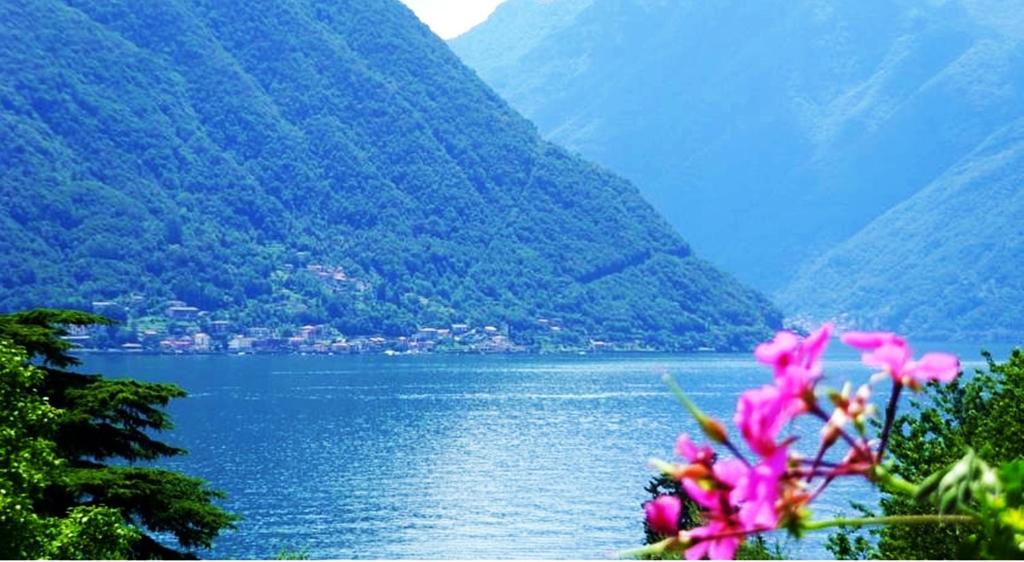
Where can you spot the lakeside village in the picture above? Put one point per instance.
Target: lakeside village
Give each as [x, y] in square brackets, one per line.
[181, 328]
[186, 329]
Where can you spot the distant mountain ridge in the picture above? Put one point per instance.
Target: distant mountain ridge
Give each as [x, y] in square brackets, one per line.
[769, 133]
[293, 162]
[944, 264]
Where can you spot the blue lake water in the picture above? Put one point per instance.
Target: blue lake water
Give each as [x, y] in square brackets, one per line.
[445, 456]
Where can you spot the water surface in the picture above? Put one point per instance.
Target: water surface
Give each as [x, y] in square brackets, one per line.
[443, 456]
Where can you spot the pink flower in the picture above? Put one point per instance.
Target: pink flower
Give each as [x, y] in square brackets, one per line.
[787, 349]
[712, 493]
[736, 500]
[891, 353]
[663, 514]
[712, 544]
[867, 341]
[797, 385]
[758, 492]
[687, 450]
[796, 362]
[942, 367]
[760, 415]
[779, 353]
[892, 357]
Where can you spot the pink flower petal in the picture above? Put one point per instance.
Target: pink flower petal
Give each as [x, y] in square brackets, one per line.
[892, 357]
[730, 471]
[686, 449]
[698, 551]
[760, 415]
[780, 351]
[942, 367]
[814, 346]
[867, 340]
[759, 492]
[708, 499]
[724, 548]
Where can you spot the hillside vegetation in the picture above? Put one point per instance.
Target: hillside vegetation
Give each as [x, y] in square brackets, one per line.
[227, 155]
[945, 263]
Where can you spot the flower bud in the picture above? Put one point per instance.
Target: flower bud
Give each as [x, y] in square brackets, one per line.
[663, 515]
[713, 429]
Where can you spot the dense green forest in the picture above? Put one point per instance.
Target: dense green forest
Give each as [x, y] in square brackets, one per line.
[770, 134]
[215, 154]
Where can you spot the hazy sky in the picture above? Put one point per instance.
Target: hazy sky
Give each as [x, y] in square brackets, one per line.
[449, 18]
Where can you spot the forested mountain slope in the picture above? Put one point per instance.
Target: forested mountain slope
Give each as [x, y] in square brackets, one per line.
[766, 132]
[945, 264]
[229, 154]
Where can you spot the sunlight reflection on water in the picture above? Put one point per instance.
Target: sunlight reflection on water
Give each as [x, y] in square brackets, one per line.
[444, 457]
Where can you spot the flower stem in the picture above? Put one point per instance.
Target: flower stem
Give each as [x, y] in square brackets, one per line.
[820, 463]
[651, 549]
[736, 452]
[926, 519]
[820, 414]
[702, 419]
[891, 481]
[821, 488]
[681, 396]
[817, 460]
[890, 417]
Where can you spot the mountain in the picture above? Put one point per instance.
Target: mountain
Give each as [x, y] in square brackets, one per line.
[944, 264]
[277, 163]
[766, 132]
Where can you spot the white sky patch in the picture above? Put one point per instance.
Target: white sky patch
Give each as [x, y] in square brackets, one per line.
[450, 18]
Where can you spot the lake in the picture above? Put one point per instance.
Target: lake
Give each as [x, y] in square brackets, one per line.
[445, 456]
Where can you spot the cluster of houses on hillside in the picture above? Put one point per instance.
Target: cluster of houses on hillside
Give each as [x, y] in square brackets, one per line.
[187, 329]
[321, 339]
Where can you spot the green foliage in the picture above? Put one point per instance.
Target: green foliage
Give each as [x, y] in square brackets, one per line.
[30, 466]
[92, 533]
[112, 418]
[155, 152]
[980, 417]
[758, 548]
[39, 332]
[992, 496]
[28, 460]
[289, 553]
[161, 500]
[59, 497]
[848, 544]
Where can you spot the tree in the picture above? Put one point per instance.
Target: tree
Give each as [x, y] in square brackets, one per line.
[29, 464]
[99, 420]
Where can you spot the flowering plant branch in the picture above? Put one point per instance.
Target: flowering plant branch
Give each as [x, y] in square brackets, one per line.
[773, 487]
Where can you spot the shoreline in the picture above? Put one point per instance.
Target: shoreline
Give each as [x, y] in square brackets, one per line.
[386, 353]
